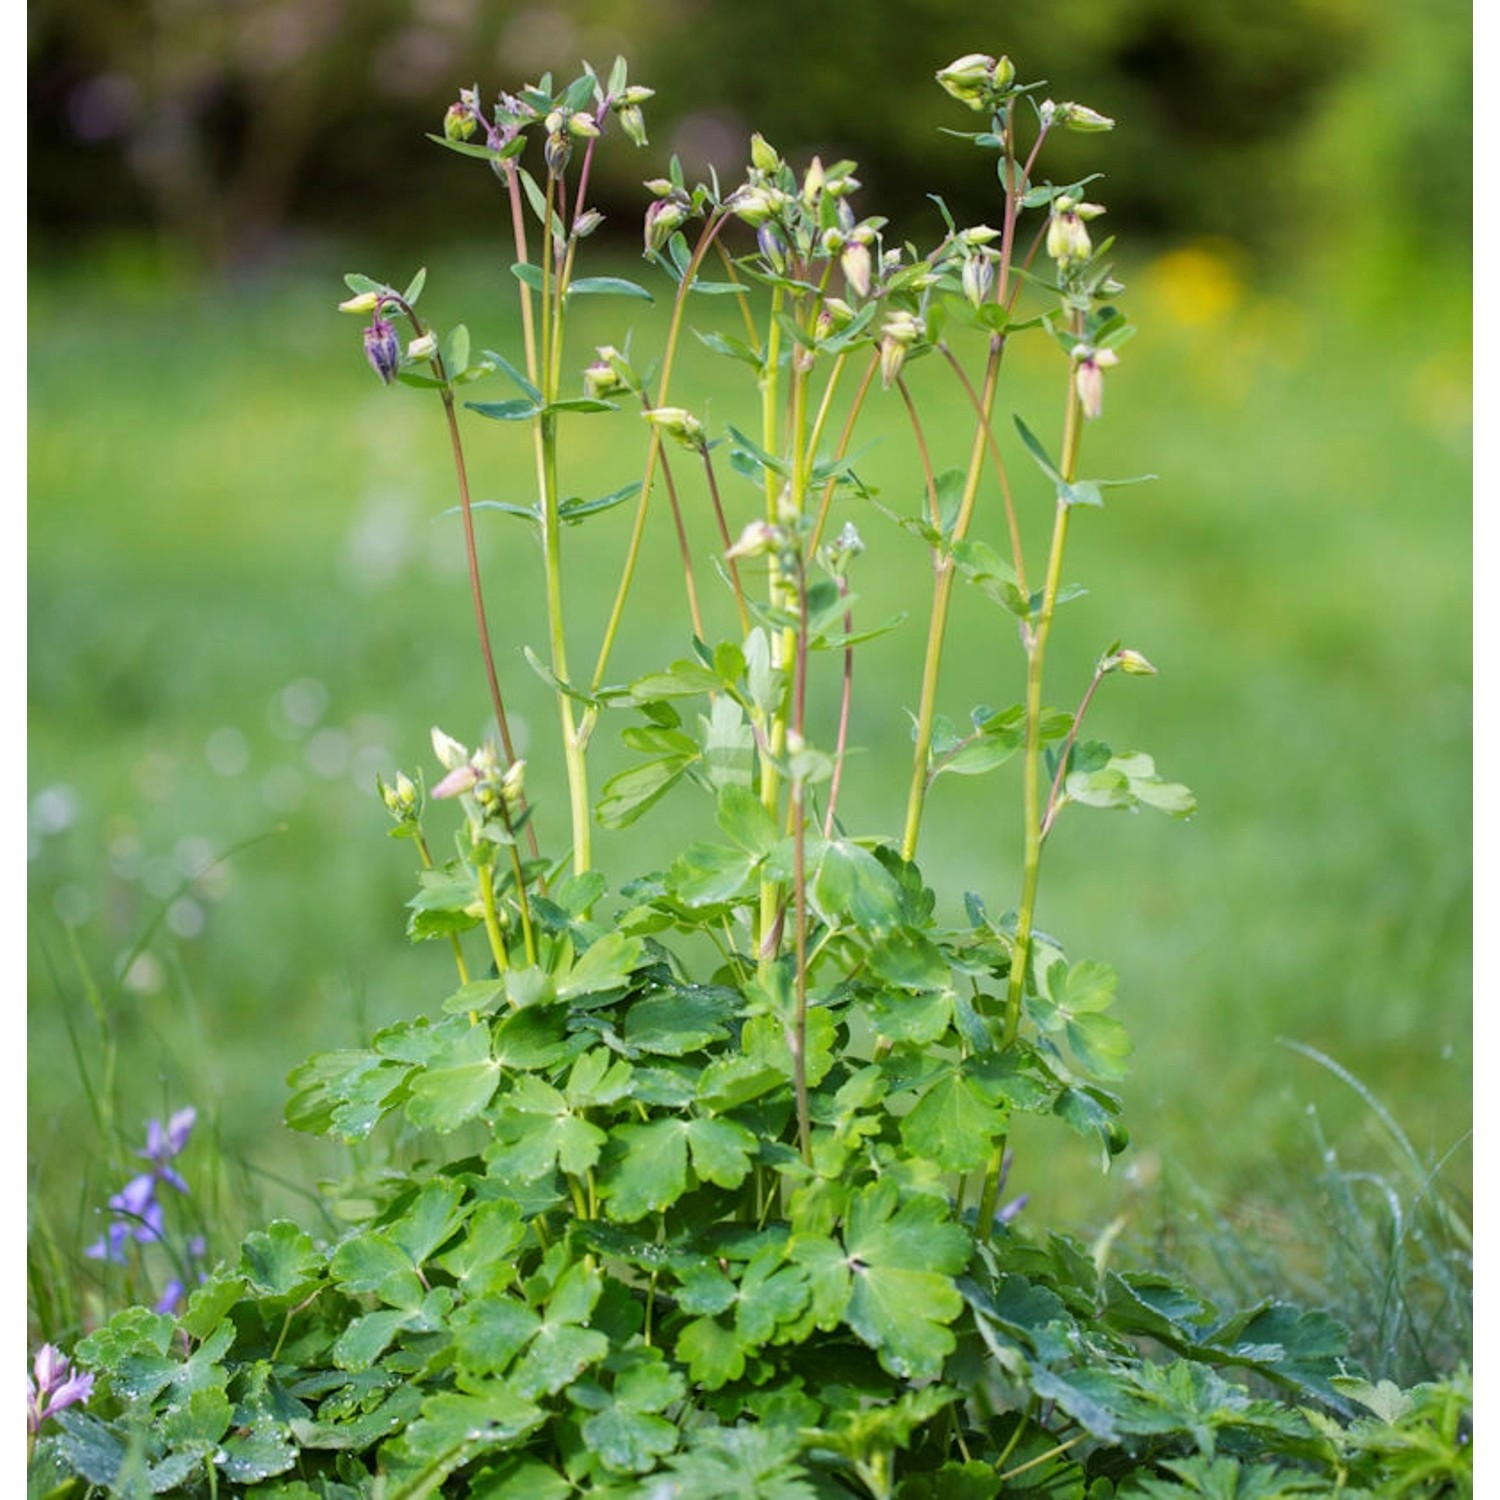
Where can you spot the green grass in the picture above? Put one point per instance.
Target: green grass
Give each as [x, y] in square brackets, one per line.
[237, 558]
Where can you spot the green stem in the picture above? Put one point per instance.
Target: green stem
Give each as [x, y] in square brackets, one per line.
[653, 449]
[942, 593]
[1036, 653]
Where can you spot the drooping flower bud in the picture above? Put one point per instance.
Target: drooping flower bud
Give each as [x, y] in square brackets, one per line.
[978, 277]
[679, 423]
[1089, 377]
[383, 349]
[364, 302]
[756, 540]
[855, 264]
[1068, 241]
[586, 223]
[633, 123]
[771, 247]
[557, 152]
[663, 219]
[969, 78]
[1080, 117]
[897, 334]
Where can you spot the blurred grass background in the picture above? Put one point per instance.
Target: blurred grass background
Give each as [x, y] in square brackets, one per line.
[244, 599]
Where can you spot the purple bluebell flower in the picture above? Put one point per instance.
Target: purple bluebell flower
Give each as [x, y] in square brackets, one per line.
[50, 1387]
[163, 1142]
[383, 348]
[110, 1246]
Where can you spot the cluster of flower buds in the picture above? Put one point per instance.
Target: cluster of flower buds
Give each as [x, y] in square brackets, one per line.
[806, 220]
[1088, 376]
[610, 374]
[670, 210]
[898, 333]
[978, 80]
[628, 110]
[1068, 241]
[842, 550]
[402, 798]
[488, 787]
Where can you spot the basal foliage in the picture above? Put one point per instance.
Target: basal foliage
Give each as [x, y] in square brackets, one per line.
[690, 1187]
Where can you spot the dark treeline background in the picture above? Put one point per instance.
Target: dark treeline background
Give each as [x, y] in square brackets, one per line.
[232, 128]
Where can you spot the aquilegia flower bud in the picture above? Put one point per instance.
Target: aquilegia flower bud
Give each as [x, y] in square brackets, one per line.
[969, 78]
[1089, 377]
[663, 218]
[897, 334]
[383, 349]
[680, 424]
[1068, 239]
[1080, 117]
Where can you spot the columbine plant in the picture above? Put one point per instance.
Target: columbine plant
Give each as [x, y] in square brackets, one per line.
[707, 1200]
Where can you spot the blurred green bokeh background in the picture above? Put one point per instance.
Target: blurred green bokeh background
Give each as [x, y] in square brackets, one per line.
[244, 599]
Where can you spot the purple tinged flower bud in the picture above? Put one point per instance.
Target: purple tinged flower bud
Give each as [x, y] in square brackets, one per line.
[457, 782]
[771, 247]
[459, 123]
[897, 334]
[586, 223]
[1089, 377]
[1068, 239]
[601, 380]
[663, 219]
[383, 349]
[978, 277]
[583, 126]
[557, 152]
[756, 540]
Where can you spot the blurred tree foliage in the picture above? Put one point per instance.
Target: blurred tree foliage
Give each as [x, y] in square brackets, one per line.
[225, 124]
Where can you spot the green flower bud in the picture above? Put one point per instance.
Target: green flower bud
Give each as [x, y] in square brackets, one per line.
[969, 78]
[1067, 239]
[814, 181]
[451, 755]
[679, 423]
[754, 205]
[633, 123]
[635, 96]
[365, 302]
[1080, 117]
[763, 156]
[897, 334]
[401, 800]
[582, 125]
[663, 218]
[1004, 73]
[758, 539]
[459, 123]
[420, 350]
[556, 152]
